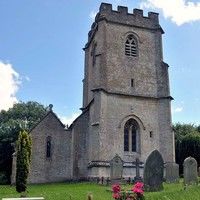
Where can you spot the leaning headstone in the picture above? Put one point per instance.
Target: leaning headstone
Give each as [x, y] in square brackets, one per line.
[137, 178]
[116, 169]
[190, 171]
[153, 172]
[171, 172]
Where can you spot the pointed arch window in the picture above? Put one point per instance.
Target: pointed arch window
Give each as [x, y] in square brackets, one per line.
[48, 147]
[131, 136]
[131, 48]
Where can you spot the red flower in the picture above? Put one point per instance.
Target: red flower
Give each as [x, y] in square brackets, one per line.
[138, 191]
[116, 195]
[116, 188]
[139, 185]
[138, 188]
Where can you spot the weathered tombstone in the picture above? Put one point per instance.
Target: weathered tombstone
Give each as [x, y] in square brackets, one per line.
[171, 172]
[137, 168]
[116, 169]
[190, 171]
[153, 172]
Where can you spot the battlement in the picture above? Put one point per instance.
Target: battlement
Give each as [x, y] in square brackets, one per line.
[123, 17]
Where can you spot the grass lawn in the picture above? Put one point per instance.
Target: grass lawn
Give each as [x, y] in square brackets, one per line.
[79, 191]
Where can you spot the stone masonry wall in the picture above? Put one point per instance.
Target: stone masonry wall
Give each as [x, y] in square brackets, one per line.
[118, 110]
[58, 167]
[115, 111]
[80, 146]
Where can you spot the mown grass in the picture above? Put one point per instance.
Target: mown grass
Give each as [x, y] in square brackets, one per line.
[79, 191]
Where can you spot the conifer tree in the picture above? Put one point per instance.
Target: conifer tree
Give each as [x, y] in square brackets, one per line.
[23, 161]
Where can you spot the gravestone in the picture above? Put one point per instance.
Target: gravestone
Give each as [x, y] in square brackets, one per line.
[190, 171]
[171, 172]
[116, 169]
[137, 168]
[153, 172]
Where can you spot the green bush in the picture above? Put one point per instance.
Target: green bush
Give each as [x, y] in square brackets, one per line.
[189, 145]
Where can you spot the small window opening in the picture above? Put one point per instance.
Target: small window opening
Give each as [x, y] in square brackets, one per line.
[151, 134]
[48, 147]
[132, 83]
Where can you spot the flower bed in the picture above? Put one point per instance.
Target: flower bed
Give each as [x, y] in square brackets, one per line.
[136, 192]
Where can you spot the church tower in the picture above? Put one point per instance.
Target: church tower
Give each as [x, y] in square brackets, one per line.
[125, 90]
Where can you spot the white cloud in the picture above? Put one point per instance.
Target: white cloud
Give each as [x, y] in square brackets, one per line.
[93, 15]
[178, 11]
[9, 85]
[177, 109]
[69, 119]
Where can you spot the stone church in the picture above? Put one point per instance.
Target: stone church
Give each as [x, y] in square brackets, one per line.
[126, 104]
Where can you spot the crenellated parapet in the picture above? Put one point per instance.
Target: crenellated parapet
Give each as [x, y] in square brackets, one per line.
[123, 17]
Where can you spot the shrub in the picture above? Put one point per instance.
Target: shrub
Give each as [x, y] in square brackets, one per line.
[23, 160]
[189, 145]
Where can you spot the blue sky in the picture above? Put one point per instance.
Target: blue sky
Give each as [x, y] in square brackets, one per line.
[41, 56]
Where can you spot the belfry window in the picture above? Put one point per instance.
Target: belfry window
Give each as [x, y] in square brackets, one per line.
[131, 46]
[131, 137]
[48, 147]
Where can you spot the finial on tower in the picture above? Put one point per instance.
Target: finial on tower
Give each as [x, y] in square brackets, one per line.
[50, 107]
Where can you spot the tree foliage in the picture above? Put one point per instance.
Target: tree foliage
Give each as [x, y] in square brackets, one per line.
[187, 143]
[183, 129]
[23, 116]
[23, 161]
